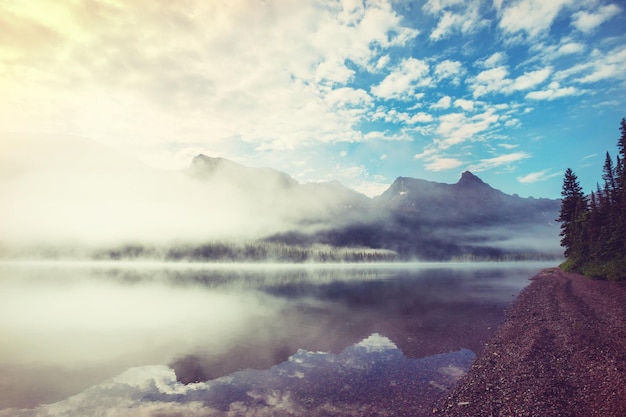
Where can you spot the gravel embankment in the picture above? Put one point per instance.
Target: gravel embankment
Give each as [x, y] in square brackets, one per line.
[561, 352]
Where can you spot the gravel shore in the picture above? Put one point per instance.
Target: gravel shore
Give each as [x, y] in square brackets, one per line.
[561, 352]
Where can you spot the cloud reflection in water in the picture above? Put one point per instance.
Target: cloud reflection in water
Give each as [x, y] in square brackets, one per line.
[372, 377]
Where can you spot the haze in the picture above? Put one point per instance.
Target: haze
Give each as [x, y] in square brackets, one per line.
[67, 190]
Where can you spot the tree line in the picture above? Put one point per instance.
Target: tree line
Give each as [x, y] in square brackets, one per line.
[247, 252]
[593, 226]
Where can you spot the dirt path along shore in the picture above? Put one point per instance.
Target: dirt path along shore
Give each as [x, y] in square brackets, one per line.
[561, 352]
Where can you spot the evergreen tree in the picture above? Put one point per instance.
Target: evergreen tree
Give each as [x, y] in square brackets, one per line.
[594, 226]
[621, 143]
[572, 215]
[594, 234]
[620, 178]
[608, 175]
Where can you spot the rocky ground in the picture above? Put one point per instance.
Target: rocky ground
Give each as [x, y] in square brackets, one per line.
[561, 352]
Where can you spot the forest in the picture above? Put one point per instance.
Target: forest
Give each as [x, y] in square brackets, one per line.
[593, 226]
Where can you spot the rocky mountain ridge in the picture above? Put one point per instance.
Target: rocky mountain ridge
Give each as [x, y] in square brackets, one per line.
[414, 217]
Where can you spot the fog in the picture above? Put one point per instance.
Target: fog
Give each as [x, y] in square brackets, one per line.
[536, 238]
[68, 190]
[68, 197]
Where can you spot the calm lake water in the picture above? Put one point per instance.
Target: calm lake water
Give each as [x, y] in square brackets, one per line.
[161, 339]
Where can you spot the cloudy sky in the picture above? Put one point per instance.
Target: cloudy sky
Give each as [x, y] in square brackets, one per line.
[358, 91]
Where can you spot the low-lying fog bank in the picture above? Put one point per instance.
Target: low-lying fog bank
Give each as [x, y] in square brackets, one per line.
[65, 197]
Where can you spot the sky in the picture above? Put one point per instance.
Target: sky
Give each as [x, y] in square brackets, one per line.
[356, 91]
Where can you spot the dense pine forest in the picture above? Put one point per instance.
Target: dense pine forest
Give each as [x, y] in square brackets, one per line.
[593, 227]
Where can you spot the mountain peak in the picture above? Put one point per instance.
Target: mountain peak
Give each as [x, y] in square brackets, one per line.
[467, 178]
[206, 161]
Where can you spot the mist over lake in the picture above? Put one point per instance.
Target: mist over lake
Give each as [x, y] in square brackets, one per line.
[240, 334]
[228, 289]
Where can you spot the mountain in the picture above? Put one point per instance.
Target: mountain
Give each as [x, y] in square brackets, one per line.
[67, 192]
[310, 202]
[436, 221]
[209, 168]
[469, 202]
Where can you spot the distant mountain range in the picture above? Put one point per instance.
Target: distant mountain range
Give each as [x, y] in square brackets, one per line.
[414, 218]
[71, 198]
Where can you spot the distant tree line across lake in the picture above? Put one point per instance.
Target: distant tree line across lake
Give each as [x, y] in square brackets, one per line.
[260, 251]
[248, 252]
[593, 227]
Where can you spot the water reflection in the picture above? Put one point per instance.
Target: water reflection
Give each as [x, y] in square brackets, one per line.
[372, 377]
[66, 328]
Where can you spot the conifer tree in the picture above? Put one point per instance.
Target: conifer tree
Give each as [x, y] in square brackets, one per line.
[572, 215]
[608, 175]
[620, 178]
[594, 226]
[594, 234]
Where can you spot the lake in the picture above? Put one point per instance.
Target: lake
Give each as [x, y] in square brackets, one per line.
[196, 339]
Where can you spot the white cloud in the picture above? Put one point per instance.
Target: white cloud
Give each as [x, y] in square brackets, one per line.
[405, 78]
[387, 136]
[494, 60]
[427, 153]
[531, 79]
[537, 176]
[467, 105]
[437, 6]
[333, 71]
[395, 116]
[553, 92]
[603, 71]
[576, 69]
[145, 74]
[382, 62]
[512, 123]
[570, 48]
[449, 69]
[496, 80]
[456, 128]
[348, 96]
[553, 52]
[420, 117]
[506, 159]
[444, 103]
[491, 80]
[445, 25]
[531, 16]
[467, 20]
[442, 164]
[588, 21]
[606, 66]
[599, 66]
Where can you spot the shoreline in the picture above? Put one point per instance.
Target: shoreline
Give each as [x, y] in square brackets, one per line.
[560, 352]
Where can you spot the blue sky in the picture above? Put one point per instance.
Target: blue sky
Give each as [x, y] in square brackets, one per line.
[357, 91]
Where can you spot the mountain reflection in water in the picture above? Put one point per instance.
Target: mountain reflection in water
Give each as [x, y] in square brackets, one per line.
[392, 336]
